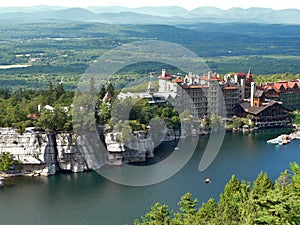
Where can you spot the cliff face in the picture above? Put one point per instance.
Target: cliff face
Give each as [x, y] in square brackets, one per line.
[118, 153]
[29, 149]
[68, 155]
[46, 154]
[41, 153]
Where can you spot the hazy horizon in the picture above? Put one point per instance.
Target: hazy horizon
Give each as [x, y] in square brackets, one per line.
[187, 4]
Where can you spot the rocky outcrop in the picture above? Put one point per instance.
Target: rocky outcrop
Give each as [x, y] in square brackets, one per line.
[42, 153]
[139, 149]
[30, 148]
[68, 155]
[45, 154]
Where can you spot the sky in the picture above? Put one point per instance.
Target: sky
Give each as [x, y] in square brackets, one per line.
[188, 4]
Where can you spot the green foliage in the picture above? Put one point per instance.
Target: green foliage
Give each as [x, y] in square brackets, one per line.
[159, 215]
[297, 118]
[58, 51]
[126, 131]
[6, 161]
[20, 109]
[187, 210]
[238, 122]
[104, 113]
[215, 122]
[261, 79]
[141, 113]
[263, 203]
[55, 120]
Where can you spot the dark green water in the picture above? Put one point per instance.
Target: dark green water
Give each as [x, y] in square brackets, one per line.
[88, 198]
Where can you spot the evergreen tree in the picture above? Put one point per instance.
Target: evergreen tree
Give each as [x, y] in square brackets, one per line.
[50, 94]
[59, 91]
[266, 203]
[207, 211]
[159, 215]
[262, 185]
[187, 210]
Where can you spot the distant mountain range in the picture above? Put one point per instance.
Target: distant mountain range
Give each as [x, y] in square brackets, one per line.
[148, 15]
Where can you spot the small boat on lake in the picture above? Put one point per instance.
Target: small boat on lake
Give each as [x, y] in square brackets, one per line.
[207, 180]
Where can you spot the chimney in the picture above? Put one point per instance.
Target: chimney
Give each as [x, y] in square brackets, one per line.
[209, 75]
[252, 94]
[163, 73]
[235, 78]
[243, 89]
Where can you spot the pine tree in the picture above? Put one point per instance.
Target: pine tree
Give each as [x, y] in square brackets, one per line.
[159, 215]
[262, 184]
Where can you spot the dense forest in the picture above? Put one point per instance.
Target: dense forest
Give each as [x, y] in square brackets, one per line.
[62, 51]
[261, 202]
[20, 109]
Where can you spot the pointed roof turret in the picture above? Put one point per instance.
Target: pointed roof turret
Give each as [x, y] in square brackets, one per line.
[249, 76]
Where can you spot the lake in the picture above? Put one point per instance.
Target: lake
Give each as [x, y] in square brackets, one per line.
[88, 198]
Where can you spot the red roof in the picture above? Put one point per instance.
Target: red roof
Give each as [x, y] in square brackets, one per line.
[292, 84]
[194, 86]
[282, 86]
[229, 88]
[212, 77]
[178, 80]
[249, 76]
[166, 76]
[240, 74]
[33, 116]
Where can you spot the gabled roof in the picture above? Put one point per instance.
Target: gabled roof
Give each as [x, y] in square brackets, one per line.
[258, 94]
[279, 87]
[292, 84]
[256, 110]
[282, 86]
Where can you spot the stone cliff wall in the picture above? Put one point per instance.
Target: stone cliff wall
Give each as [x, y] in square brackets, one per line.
[42, 153]
[68, 155]
[46, 154]
[119, 153]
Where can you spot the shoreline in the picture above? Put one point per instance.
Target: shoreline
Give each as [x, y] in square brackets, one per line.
[9, 174]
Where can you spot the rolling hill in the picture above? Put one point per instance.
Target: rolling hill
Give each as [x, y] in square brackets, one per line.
[150, 15]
